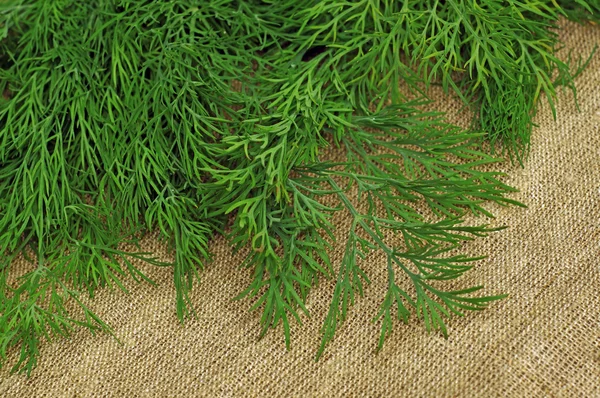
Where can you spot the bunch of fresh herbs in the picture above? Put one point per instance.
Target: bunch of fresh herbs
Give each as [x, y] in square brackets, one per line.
[197, 118]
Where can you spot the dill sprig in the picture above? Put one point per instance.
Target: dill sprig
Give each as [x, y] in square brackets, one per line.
[121, 117]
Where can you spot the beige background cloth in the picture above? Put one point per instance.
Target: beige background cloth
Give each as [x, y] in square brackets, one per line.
[544, 340]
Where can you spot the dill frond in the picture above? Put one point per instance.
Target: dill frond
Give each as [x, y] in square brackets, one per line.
[196, 118]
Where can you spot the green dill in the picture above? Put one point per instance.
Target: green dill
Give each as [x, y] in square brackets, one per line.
[122, 117]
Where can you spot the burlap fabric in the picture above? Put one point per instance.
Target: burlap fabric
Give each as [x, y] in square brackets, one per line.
[544, 340]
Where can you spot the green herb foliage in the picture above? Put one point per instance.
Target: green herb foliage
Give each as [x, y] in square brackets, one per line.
[197, 118]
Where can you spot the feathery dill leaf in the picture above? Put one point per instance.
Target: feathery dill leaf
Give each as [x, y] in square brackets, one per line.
[122, 117]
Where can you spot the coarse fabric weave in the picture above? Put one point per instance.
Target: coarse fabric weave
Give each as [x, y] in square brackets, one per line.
[543, 341]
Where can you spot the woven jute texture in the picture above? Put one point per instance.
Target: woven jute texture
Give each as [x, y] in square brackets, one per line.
[544, 340]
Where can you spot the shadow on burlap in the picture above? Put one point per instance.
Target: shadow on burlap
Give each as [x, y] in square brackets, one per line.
[544, 340]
